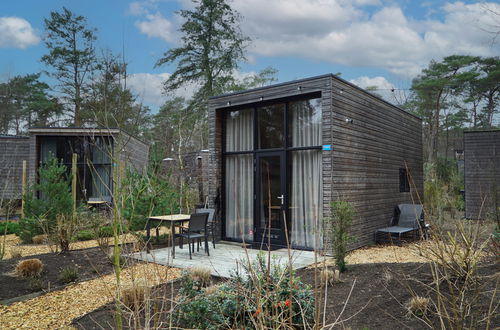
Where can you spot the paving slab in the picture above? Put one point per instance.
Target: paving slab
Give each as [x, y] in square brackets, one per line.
[223, 260]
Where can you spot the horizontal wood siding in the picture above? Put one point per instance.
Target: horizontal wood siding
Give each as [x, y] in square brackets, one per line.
[367, 155]
[13, 150]
[363, 166]
[482, 174]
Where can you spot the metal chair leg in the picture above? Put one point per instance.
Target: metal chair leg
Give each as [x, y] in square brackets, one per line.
[189, 244]
[213, 236]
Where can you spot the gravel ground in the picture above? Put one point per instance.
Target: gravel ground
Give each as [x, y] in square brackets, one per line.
[56, 310]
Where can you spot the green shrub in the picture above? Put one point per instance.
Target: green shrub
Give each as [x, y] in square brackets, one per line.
[9, 227]
[147, 194]
[107, 231]
[69, 274]
[265, 298]
[54, 201]
[84, 235]
[338, 228]
[28, 228]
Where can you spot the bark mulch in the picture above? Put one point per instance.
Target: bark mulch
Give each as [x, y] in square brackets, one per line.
[57, 309]
[90, 263]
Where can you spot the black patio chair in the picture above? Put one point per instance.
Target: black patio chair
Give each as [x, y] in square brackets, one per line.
[196, 230]
[408, 218]
[211, 223]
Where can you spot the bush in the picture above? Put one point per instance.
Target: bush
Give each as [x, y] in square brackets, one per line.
[263, 299]
[69, 274]
[28, 228]
[54, 191]
[84, 235]
[29, 268]
[41, 214]
[338, 229]
[147, 195]
[8, 227]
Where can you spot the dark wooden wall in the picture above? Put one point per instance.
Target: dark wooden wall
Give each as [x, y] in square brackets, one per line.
[13, 150]
[133, 152]
[368, 150]
[482, 174]
[363, 165]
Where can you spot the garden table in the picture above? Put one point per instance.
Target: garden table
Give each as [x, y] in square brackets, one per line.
[173, 219]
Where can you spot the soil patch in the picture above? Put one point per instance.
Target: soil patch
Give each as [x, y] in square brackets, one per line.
[377, 300]
[381, 291]
[90, 263]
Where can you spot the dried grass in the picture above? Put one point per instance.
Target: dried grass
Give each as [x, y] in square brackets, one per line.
[40, 239]
[15, 252]
[418, 306]
[330, 276]
[28, 268]
[201, 275]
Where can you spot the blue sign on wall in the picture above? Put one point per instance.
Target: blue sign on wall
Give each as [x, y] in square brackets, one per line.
[327, 147]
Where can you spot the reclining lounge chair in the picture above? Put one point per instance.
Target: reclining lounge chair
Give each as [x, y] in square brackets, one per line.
[408, 218]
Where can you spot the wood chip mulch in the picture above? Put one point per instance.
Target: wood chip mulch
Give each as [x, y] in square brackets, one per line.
[56, 310]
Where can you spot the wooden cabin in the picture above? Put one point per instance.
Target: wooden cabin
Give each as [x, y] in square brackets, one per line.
[280, 154]
[482, 174]
[13, 150]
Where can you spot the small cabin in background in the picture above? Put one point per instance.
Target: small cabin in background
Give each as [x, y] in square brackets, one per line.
[98, 152]
[13, 150]
[280, 154]
[482, 174]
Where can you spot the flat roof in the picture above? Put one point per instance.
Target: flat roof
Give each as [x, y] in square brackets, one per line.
[328, 75]
[8, 136]
[74, 130]
[491, 130]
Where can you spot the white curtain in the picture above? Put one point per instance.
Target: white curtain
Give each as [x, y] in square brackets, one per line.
[307, 189]
[239, 182]
[239, 130]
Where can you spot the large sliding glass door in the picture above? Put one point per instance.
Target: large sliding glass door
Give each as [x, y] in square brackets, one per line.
[272, 173]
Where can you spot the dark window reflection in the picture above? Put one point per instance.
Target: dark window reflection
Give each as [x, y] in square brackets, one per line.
[271, 130]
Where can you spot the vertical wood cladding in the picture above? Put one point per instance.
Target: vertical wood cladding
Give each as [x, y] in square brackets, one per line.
[482, 174]
[13, 150]
[371, 141]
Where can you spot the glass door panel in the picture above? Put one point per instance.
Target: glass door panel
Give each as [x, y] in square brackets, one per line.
[270, 198]
[271, 126]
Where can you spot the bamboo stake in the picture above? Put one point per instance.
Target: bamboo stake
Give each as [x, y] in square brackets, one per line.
[73, 181]
[23, 189]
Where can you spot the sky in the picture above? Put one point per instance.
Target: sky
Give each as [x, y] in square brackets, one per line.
[383, 43]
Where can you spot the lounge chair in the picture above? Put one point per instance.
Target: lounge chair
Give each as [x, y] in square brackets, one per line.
[408, 218]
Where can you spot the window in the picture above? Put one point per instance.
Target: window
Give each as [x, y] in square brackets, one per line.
[404, 183]
[270, 129]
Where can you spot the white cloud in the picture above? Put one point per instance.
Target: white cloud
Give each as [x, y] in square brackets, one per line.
[345, 32]
[381, 86]
[16, 32]
[341, 31]
[149, 88]
[155, 25]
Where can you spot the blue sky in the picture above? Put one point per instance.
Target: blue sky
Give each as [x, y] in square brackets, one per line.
[371, 42]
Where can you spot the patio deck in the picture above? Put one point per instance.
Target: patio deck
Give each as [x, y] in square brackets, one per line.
[224, 259]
